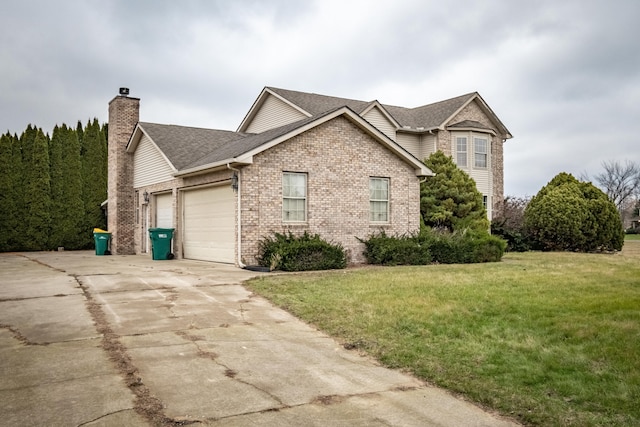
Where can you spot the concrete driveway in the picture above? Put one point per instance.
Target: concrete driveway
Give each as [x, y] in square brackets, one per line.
[127, 341]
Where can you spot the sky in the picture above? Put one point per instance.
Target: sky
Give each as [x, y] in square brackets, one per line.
[563, 76]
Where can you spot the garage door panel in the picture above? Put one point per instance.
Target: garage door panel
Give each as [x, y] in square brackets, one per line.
[209, 224]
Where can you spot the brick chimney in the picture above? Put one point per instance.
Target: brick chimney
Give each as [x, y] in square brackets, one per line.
[124, 113]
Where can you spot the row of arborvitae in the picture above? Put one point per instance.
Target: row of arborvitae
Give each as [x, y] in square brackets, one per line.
[51, 187]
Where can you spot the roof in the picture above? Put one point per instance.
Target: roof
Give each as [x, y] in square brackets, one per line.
[196, 150]
[425, 117]
[181, 144]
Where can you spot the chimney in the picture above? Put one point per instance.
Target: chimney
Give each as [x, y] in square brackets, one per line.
[124, 113]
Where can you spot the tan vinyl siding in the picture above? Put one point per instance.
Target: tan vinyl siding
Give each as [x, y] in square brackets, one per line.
[149, 166]
[410, 142]
[376, 118]
[272, 114]
[427, 146]
[420, 145]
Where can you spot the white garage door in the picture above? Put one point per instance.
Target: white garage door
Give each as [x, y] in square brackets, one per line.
[209, 224]
[164, 210]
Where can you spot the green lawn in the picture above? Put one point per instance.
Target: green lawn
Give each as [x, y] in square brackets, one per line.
[545, 338]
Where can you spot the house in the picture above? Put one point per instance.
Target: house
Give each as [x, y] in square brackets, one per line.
[298, 162]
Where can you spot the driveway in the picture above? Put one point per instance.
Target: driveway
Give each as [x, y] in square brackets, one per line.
[127, 341]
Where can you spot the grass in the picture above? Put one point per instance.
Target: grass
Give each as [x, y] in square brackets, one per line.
[631, 237]
[546, 338]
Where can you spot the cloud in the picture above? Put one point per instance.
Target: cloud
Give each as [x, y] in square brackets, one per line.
[564, 77]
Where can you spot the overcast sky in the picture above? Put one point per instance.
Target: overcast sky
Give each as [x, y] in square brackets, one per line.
[563, 76]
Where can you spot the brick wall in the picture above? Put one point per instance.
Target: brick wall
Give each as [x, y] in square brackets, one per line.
[339, 158]
[123, 116]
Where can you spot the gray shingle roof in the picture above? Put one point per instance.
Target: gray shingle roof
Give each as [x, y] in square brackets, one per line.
[427, 116]
[184, 145]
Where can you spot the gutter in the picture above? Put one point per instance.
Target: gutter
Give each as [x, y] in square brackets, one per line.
[238, 218]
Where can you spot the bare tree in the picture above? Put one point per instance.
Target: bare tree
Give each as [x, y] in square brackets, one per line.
[620, 182]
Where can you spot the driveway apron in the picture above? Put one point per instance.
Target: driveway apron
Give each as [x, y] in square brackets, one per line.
[125, 340]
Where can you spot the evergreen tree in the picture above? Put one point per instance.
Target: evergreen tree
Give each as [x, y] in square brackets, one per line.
[94, 178]
[37, 190]
[10, 168]
[450, 199]
[67, 208]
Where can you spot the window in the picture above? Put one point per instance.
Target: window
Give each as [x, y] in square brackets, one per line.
[485, 199]
[294, 196]
[480, 145]
[379, 199]
[461, 151]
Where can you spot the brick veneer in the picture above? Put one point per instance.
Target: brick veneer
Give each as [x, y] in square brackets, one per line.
[339, 158]
[124, 114]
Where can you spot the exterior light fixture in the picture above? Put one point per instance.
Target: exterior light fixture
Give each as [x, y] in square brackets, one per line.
[145, 195]
[234, 181]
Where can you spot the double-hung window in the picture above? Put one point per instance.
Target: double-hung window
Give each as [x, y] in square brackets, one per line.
[480, 151]
[379, 199]
[461, 151]
[294, 197]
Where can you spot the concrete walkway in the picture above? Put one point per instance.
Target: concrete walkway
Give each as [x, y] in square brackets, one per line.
[127, 341]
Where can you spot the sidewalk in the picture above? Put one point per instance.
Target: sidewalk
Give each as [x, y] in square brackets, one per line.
[124, 340]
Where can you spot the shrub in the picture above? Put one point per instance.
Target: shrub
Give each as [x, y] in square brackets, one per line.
[633, 231]
[568, 214]
[288, 252]
[386, 250]
[440, 246]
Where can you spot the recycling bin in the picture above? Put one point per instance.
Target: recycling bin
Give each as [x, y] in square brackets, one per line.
[102, 240]
[161, 243]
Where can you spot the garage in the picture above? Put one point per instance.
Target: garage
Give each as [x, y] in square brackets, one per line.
[209, 224]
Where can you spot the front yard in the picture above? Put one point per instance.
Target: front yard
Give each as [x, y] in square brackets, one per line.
[546, 338]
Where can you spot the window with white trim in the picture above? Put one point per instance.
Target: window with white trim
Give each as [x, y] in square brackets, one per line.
[461, 151]
[480, 152]
[294, 197]
[379, 199]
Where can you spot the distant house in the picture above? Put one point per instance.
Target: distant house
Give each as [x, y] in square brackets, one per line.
[298, 162]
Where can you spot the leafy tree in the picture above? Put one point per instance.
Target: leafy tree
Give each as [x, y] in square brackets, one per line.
[450, 199]
[510, 224]
[620, 182]
[10, 168]
[567, 214]
[67, 208]
[37, 186]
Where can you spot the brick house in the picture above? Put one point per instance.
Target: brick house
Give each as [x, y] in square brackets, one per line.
[298, 162]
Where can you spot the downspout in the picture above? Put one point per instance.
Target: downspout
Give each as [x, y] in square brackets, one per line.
[238, 218]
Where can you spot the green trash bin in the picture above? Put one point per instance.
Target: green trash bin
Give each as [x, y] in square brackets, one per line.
[102, 239]
[161, 243]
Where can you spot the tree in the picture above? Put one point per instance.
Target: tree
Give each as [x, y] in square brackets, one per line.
[620, 182]
[567, 214]
[94, 158]
[67, 208]
[510, 223]
[37, 186]
[450, 199]
[10, 169]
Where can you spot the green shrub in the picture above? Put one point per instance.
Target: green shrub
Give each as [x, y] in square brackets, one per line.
[400, 250]
[567, 214]
[288, 252]
[633, 231]
[439, 246]
[517, 239]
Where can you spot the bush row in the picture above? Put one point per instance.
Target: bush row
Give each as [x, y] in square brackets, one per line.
[433, 246]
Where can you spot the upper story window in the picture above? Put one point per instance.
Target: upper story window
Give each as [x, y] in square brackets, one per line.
[480, 152]
[461, 151]
[379, 199]
[294, 197]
